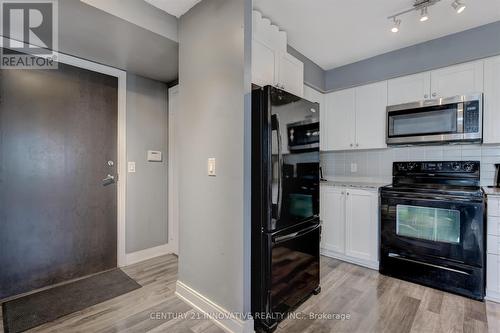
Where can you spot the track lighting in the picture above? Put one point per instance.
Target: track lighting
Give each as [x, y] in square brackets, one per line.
[424, 16]
[423, 7]
[397, 23]
[458, 5]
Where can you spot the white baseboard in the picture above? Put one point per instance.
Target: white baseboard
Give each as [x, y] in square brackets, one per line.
[365, 263]
[493, 296]
[218, 314]
[135, 257]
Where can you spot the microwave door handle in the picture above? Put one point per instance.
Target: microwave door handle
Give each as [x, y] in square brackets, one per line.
[460, 117]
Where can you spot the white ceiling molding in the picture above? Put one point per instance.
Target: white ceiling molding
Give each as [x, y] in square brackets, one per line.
[174, 7]
[333, 33]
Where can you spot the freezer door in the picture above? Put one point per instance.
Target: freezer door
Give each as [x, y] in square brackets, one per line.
[294, 267]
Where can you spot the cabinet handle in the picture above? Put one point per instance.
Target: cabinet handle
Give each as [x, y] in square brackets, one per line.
[357, 144]
[434, 94]
[426, 96]
[347, 193]
[352, 145]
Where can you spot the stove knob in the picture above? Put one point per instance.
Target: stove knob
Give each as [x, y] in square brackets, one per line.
[401, 167]
[469, 167]
[456, 166]
[412, 166]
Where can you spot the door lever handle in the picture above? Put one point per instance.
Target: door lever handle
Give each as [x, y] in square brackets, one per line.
[108, 180]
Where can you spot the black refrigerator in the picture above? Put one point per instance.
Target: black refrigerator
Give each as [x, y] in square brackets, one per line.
[285, 204]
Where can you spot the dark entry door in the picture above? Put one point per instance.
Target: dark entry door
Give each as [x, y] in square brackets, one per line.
[58, 130]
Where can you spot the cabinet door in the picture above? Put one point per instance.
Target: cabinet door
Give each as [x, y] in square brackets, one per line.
[457, 80]
[491, 119]
[361, 225]
[371, 104]
[332, 203]
[291, 74]
[411, 88]
[263, 59]
[341, 120]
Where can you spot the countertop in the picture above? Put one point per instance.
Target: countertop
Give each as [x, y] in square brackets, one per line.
[355, 184]
[492, 191]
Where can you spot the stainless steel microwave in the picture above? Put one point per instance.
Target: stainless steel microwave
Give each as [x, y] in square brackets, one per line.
[457, 119]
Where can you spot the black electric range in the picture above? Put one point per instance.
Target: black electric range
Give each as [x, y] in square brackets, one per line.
[433, 226]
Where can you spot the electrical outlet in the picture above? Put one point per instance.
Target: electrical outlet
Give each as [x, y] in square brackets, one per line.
[354, 167]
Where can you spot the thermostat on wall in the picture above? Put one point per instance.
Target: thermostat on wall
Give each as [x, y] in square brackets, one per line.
[154, 156]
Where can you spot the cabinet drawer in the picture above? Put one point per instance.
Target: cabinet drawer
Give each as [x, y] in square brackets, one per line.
[492, 273]
[494, 225]
[493, 244]
[493, 206]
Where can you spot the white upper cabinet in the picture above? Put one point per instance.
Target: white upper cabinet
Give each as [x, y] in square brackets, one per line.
[491, 118]
[341, 120]
[446, 82]
[355, 118]
[290, 74]
[371, 103]
[411, 88]
[271, 63]
[456, 80]
[263, 58]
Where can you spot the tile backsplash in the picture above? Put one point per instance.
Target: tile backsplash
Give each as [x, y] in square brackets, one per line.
[376, 165]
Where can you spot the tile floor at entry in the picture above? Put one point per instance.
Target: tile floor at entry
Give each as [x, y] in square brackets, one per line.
[374, 302]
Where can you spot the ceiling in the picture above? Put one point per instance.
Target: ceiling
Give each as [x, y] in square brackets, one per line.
[333, 33]
[174, 7]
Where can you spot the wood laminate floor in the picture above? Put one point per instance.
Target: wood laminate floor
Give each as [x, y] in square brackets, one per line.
[375, 303]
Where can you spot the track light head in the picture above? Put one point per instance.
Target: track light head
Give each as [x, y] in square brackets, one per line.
[396, 24]
[458, 5]
[424, 15]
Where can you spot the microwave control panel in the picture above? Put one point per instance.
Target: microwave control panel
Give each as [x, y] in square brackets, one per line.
[471, 117]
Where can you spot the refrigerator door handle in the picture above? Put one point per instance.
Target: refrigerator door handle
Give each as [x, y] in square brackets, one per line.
[275, 125]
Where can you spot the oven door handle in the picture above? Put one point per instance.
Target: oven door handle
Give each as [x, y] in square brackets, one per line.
[436, 198]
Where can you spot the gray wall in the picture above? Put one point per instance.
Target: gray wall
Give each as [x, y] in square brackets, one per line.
[98, 36]
[314, 76]
[146, 224]
[480, 42]
[213, 71]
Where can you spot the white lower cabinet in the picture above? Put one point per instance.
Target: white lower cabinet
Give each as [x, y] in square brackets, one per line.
[493, 250]
[350, 225]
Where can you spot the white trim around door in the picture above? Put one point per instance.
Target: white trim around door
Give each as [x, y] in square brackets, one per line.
[173, 170]
[122, 151]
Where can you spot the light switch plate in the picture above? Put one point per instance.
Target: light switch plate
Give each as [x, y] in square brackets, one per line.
[354, 167]
[211, 167]
[131, 167]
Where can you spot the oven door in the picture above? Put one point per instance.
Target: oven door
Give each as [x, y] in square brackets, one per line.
[448, 228]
